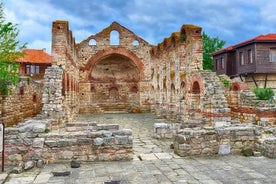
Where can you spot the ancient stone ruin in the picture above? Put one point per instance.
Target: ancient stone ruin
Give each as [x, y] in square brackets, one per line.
[108, 74]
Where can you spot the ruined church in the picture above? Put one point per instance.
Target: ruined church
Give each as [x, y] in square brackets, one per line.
[98, 76]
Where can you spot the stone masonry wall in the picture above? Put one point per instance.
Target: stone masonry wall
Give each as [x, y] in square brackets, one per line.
[24, 102]
[37, 140]
[230, 139]
[181, 90]
[246, 108]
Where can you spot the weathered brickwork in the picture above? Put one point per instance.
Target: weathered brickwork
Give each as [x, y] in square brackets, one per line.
[246, 108]
[134, 76]
[99, 76]
[166, 79]
[24, 102]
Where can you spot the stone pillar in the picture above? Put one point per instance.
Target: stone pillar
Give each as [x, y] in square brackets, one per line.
[52, 93]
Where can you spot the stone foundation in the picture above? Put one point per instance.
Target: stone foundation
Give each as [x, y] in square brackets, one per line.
[34, 140]
[231, 139]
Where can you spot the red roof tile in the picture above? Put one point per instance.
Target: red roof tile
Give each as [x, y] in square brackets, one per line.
[260, 38]
[35, 56]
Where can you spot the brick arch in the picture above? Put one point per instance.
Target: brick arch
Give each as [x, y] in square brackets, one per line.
[237, 86]
[120, 51]
[196, 85]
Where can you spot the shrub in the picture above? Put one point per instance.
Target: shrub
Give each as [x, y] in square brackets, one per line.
[263, 93]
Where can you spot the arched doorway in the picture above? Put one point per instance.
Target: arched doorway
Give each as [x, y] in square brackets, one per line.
[115, 80]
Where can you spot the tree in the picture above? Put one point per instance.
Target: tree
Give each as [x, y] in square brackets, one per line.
[210, 45]
[10, 51]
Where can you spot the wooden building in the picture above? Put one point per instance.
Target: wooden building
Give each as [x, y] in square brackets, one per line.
[253, 61]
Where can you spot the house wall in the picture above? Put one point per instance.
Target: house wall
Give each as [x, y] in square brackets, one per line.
[40, 75]
[217, 59]
[247, 67]
[263, 64]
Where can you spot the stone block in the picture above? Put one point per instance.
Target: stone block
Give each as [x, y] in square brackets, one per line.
[107, 133]
[98, 141]
[121, 139]
[123, 132]
[39, 128]
[220, 124]
[38, 142]
[185, 147]
[224, 149]
[83, 141]
[51, 143]
[67, 155]
[29, 165]
[109, 140]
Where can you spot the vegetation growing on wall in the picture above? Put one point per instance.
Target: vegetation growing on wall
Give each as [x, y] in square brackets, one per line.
[263, 93]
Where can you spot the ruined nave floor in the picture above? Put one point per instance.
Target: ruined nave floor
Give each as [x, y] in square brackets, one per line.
[154, 162]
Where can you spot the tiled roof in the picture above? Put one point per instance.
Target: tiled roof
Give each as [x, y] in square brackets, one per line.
[35, 56]
[261, 38]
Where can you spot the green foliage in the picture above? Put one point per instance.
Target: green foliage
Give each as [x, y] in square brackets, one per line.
[225, 82]
[263, 93]
[47, 130]
[210, 45]
[10, 51]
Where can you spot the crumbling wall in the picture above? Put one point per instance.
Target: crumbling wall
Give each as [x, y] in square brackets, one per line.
[245, 139]
[181, 90]
[39, 140]
[247, 108]
[24, 102]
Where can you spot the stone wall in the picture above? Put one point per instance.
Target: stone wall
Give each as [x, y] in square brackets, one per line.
[246, 108]
[245, 139]
[24, 102]
[39, 140]
[181, 90]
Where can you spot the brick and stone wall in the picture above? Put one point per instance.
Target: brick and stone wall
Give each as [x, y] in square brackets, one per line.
[41, 140]
[246, 108]
[24, 102]
[245, 139]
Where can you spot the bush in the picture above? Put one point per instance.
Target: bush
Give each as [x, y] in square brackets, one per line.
[263, 93]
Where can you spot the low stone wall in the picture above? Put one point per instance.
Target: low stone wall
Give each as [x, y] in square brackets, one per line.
[246, 108]
[164, 130]
[268, 147]
[34, 140]
[232, 139]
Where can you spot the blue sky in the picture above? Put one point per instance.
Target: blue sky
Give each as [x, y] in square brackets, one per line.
[153, 20]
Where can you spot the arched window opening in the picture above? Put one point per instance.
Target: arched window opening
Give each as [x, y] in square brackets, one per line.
[135, 43]
[134, 89]
[92, 42]
[22, 91]
[173, 88]
[196, 88]
[113, 94]
[182, 85]
[34, 97]
[114, 38]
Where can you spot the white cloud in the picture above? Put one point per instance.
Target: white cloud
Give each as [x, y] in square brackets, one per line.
[153, 20]
[40, 44]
